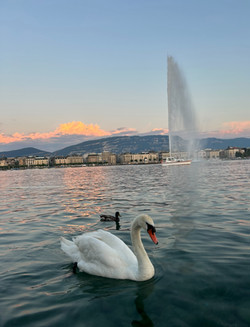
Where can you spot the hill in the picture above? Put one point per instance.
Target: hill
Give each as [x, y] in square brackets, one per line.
[25, 152]
[216, 144]
[123, 144]
[119, 144]
[137, 144]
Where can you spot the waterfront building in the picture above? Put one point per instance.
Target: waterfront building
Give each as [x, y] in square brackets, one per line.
[21, 161]
[163, 156]
[94, 158]
[136, 158]
[201, 154]
[212, 154]
[230, 152]
[74, 160]
[30, 161]
[60, 161]
[3, 162]
[8, 162]
[35, 161]
[41, 161]
[108, 158]
[69, 160]
[125, 158]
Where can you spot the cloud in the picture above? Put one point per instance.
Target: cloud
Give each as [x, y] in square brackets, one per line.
[65, 134]
[123, 131]
[5, 139]
[71, 128]
[79, 128]
[236, 128]
[231, 129]
[156, 131]
[76, 132]
[159, 131]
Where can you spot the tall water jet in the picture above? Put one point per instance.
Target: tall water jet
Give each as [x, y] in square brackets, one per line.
[182, 123]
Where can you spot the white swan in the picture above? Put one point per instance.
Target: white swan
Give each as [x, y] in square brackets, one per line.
[103, 254]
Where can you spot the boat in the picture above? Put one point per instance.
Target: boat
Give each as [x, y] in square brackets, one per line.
[175, 161]
[173, 105]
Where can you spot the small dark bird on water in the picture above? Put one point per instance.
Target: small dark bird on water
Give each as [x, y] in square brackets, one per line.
[111, 218]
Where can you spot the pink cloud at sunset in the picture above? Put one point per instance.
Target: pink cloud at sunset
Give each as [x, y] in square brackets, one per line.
[161, 131]
[231, 129]
[66, 129]
[79, 128]
[236, 128]
[123, 131]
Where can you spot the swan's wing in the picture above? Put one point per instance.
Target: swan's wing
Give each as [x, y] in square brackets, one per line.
[105, 237]
[108, 242]
[104, 254]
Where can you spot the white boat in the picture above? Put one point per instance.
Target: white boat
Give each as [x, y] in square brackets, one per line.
[174, 161]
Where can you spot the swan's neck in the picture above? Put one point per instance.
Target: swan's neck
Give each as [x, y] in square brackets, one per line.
[145, 267]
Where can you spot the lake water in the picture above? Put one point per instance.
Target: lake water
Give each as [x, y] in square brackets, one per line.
[202, 261]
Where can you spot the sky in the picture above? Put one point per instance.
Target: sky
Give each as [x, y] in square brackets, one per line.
[82, 69]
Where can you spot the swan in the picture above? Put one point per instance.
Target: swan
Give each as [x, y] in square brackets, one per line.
[103, 254]
[111, 218]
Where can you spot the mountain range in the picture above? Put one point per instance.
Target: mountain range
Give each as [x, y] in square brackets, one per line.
[25, 152]
[123, 144]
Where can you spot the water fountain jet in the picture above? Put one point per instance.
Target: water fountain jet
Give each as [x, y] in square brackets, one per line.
[181, 114]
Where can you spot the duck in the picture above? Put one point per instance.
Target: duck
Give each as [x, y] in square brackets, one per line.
[111, 218]
[103, 254]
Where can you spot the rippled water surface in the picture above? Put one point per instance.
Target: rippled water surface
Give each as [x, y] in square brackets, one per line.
[202, 261]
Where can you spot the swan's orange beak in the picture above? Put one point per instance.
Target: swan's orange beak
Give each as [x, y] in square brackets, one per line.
[153, 236]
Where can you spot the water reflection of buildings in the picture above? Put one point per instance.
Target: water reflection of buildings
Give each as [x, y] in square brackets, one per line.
[84, 188]
[88, 192]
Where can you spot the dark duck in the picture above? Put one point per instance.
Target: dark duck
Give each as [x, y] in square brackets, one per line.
[111, 218]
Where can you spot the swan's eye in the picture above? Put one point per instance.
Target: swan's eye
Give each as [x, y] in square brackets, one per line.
[152, 228]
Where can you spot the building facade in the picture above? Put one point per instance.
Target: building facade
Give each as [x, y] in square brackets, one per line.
[35, 161]
[94, 158]
[137, 158]
[108, 158]
[69, 160]
[230, 152]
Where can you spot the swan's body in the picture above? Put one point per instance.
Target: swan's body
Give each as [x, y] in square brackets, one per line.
[111, 218]
[103, 254]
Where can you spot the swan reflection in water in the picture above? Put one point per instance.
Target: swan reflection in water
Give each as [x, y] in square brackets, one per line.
[144, 290]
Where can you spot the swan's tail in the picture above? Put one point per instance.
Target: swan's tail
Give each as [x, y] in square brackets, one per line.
[70, 249]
